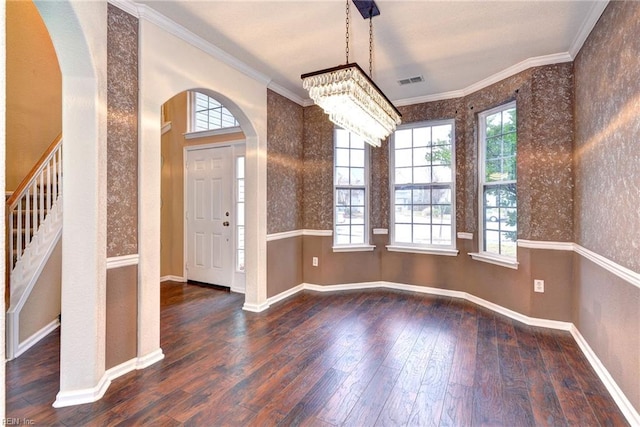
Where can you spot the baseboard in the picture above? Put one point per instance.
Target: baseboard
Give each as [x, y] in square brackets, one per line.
[618, 396]
[256, 308]
[79, 397]
[89, 395]
[149, 359]
[173, 279]
[35, 338]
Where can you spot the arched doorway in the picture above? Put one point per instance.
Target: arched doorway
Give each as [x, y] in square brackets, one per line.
[194, 126]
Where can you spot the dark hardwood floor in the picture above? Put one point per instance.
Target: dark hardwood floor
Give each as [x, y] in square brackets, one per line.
[375, 357]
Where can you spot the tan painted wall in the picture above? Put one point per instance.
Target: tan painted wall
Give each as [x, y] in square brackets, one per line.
[122, 314]
[172, 187]
[34, 90]
[43, 304]
[606, 309]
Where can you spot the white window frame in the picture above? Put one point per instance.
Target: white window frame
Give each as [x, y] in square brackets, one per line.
[352, 247]
[448, 250]
[483, 255]
[191, 111]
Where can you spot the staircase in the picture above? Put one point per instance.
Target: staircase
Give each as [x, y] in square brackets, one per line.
[34, 226]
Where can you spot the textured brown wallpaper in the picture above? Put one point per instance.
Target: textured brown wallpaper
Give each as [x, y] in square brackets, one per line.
[122, 133]
[318, 170]
[545, 137]
[607, 148]
[284, 164]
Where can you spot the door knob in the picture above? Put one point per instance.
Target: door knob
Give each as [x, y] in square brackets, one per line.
[226, 223]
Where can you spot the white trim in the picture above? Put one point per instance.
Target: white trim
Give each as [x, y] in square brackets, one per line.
[353, 248]
[35, 338]
[148, 14]
[620, 271]
[79, 397]
[165, 128]
[125, 5]
[616, 393]
[212, 132]
[630, 413]
[284, 235]
[121, 369]
[380, 231]
[149, 359]
[494, 259]
[593, 16]
[255, 308]
[122, 261]
[537, 61]
[172, 279]
[465, 236]
[539, 244]
[280, 90]
[319, 233]
[423, 250]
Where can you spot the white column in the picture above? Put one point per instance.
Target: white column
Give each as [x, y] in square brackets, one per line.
[78, 30]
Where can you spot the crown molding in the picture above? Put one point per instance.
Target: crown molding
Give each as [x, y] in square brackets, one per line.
[148, 14]
[587, 26]
[127, 6]
[537, 61]
[280, 90]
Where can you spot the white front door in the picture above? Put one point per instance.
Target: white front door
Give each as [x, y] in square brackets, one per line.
[209, 215]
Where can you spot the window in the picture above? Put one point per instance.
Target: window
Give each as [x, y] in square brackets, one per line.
[240, 213]
[351, 171]
[209, 114]
[497, 181]
[423, 187]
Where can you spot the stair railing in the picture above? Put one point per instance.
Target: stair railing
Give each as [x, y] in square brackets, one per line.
[27, 207]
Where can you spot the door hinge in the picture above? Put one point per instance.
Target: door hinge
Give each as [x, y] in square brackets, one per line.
[186, 215]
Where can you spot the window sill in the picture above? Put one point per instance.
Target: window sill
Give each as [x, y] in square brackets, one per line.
[419, 250]
[213, 132]
[354, 248]
[495, 259]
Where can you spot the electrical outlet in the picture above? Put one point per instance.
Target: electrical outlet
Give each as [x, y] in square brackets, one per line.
[538, 285]
[314, 261]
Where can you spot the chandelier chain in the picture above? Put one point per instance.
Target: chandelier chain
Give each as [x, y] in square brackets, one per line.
[347, 32]
[371, 47]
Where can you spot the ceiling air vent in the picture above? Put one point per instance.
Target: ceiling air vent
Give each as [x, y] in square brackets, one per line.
[410, 80]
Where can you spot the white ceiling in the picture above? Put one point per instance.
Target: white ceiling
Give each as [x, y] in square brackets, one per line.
[454, 45]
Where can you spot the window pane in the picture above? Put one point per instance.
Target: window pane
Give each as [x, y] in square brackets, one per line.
[422, 137]
[423, 185]
[343, 234]
[441, 174]
[422, 214]
[402, 139]
[357, 234]
[403, 158]
[342, 157]
[357, 176]
[403, 233]
[209, 114]
[420, 156]
[421, 175]
[404, 175]
[441, 234]
[357, 158]
[342, 176]
[509, 120]
[422, 234]
[441, 155]
[342, 138]
[441, 135]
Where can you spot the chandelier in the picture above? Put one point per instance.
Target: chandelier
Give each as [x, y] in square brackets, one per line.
[350, 97]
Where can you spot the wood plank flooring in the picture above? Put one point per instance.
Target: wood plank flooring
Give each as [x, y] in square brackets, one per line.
[353, 358]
